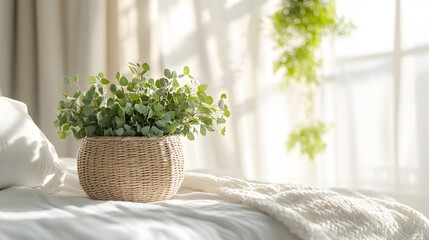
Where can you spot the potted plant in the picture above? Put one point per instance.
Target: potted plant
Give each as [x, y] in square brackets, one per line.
[130, 130]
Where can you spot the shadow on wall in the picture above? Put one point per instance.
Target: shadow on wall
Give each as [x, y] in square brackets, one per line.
[220, 42]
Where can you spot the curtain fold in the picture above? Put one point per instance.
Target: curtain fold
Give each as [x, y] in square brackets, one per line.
[7, 45]
[43, 41]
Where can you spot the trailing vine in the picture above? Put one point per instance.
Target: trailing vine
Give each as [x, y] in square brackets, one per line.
[299, 26]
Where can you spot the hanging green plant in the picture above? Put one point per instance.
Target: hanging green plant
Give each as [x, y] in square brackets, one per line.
[299, 26]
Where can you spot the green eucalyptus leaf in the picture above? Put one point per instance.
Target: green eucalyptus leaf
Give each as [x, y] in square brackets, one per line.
[130, 132]
[190, 136]
[76, 133]
[160, 123]
[207, 121]
[202, 130]
[119, 122]
[120, 94]
[119, 131]
[150, 113]
[92, 80]
[226, 112]
[103, 122]
[172, 128]
[208, 100]
[62, 134]
[160, 115]
[223, 132]
[164, 82]
[167, 117]
[104, 81]
[146, 67]
[122, 102]
[132, 69]
[108, 132]
[155, 131]
[221, 104]
[167, 73]
[221, 120]
[123, 81]
[77, 94]
[186, 70]
[175, 84]
[98, 101]
[87, 111]
[90, 130]
[140, 108]
[145, 130]
[90, 94]
[113, 88]
[135, 97]
[209, 128]
[158, 107]
[110, 102]
[128, 109]
[121, 112]
[202, 87]
[66, 80]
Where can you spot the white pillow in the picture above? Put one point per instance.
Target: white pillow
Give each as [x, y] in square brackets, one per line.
[27, 158]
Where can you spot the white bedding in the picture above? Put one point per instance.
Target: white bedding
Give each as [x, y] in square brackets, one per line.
[320, 214]
[27, 213]
[200, 211]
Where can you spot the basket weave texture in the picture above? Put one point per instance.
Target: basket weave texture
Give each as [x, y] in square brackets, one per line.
[138, 169]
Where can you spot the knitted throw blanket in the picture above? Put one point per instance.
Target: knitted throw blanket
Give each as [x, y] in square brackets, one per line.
[316, 213]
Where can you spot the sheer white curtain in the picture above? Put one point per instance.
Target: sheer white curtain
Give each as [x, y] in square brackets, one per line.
[41, 42]
[377, 94]
[228, 45]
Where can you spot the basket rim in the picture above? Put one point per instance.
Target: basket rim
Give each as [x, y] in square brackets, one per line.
[126, 138]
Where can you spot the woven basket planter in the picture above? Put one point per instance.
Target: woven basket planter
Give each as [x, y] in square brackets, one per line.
[138, 169]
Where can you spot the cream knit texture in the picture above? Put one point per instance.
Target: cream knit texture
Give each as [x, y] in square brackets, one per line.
[317, 213]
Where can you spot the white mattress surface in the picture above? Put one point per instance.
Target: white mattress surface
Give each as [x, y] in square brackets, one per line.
[27, 213]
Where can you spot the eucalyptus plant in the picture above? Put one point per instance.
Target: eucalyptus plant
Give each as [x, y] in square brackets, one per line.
[140, 106]
[299, 26]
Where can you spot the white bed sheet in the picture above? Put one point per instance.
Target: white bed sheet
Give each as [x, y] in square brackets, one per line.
[27, 213]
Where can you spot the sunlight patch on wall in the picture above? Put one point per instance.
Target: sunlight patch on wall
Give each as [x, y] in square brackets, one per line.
[374, 31]
[128, 32]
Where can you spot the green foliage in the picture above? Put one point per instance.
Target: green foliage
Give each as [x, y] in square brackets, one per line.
[299, 26]
[309, 138]
[140, 106]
